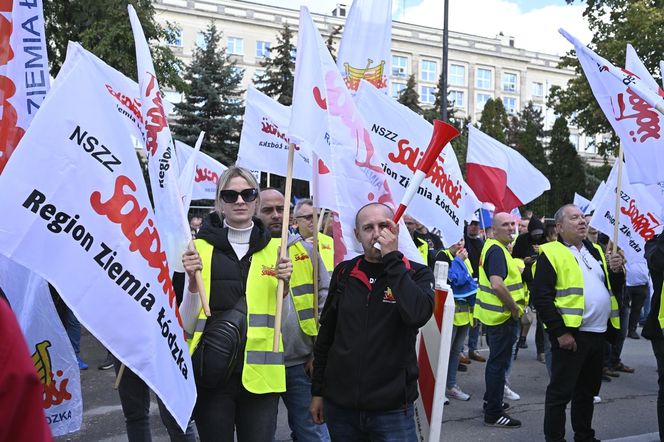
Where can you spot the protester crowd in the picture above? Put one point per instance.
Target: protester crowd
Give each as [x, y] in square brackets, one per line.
[347, 367]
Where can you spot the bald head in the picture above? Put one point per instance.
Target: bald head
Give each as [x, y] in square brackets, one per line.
[271, 210]
[504, 227]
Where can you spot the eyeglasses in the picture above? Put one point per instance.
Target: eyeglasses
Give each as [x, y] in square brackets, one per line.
[305, 217]
[230, 196]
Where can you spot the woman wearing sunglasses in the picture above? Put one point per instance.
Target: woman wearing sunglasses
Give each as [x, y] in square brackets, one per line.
[238, 377]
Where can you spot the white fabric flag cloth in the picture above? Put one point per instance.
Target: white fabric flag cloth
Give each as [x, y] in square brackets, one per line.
[24, 78]
[208, 171]
[365, 46]
[171, 219]
[499, 174]
[628, 104]
[264, 139]
[187, 174]
[48, 343]
[444, 200]
[597, 197]
[638, 219]
[581, 202]
[78, 206]
[356, 163]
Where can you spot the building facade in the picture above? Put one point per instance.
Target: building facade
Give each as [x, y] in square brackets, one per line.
[479, 68]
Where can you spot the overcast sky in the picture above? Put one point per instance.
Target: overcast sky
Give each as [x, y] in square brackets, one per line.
[533, 23]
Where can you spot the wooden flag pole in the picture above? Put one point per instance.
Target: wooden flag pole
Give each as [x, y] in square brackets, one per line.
[284, 246]
[616, 214]
[321, 219]
[118, 378]
[201, 287]
[268, 179]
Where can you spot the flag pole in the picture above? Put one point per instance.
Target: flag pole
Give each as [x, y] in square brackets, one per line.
[268, 179]
[284, 246]
[321, 219]
[616, 214]
[314, 222]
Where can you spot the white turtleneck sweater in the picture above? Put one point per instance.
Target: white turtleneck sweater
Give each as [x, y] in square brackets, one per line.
[191, 302]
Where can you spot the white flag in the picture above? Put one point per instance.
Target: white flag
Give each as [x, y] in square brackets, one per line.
[444, 200]
[364, 50]
[162, 163]
[360, 178]
[629, 105]
[208, 171]
[264, 139]
[187, 173]
[639, 218]
[79, 216]
[581, 202]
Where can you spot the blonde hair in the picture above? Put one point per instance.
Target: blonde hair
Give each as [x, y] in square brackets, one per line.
[226, 177]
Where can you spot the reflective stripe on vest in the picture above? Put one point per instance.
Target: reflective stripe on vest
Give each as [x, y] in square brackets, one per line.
[489, 309]
[326, 250]
[463, 314]
[302, 288]
[263, 370]
[569, 298]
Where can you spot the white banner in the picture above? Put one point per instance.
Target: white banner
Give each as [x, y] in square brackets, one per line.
[364, 49]
[207, 174]
[581, 202]
[638, 220]
[79, 216]
[444, 201]
[624, 99]
[356, 163]
[49, 345]
[264, 139]
[162, 163]
[24, 78]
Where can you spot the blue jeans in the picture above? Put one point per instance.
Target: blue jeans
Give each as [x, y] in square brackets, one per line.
[500, 338]
[458, 338]
[473, 337]
[348, 425]
[297, 399]
[73, 328]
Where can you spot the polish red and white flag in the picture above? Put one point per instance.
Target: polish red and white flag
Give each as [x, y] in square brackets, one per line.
[499, 175]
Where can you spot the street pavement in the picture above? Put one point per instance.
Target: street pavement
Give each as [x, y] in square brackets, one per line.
[627, 412]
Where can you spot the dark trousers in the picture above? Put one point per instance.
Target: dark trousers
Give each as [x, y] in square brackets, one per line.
[637, 296]
[658, 350]
[576, 376]
[135, 401]
[500, 339]
[614, 350]
[539, 336]
[348, 425]
[218, 412]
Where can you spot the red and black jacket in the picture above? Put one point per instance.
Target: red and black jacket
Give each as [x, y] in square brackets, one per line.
[364, 356]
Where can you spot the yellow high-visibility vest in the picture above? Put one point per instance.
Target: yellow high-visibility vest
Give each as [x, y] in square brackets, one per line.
[326, 250]
[463, 313]
[423, 248]
[489, 309]
[302, 288]
[264, 370]
[569, 298]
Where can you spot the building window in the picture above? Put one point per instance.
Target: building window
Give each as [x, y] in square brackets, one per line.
[262, 49]
[457, 99]
[538, 90]
[177, 38]
[484, 78]
[510, 105]
[457, 75]
[509, 82]
[396, 88]
[480, 101]
[235, 46]
[574, 139]
[399, 66]
[200, 40]
[429, 69]
[426, 95]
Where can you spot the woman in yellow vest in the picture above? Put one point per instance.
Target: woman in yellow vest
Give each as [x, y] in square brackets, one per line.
[240, 267]
[464, 288]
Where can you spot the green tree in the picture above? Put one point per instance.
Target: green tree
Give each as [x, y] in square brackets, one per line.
[433, 113]
[494, 121]
[103, 28]
[277, 81]
[567, 174]
[330, 41]
[213, 102]
[594, 176]
[613, 23]
[409, 96]
[528, 141]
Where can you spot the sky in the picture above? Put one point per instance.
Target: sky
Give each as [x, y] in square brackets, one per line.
[533, 23]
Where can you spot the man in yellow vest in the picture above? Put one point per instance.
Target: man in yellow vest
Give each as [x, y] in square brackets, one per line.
[298, 324]
[572, 292]
[421, 244]
[500, 303]
[304, 219]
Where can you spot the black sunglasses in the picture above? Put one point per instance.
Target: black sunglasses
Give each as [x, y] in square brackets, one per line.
[230, 196]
